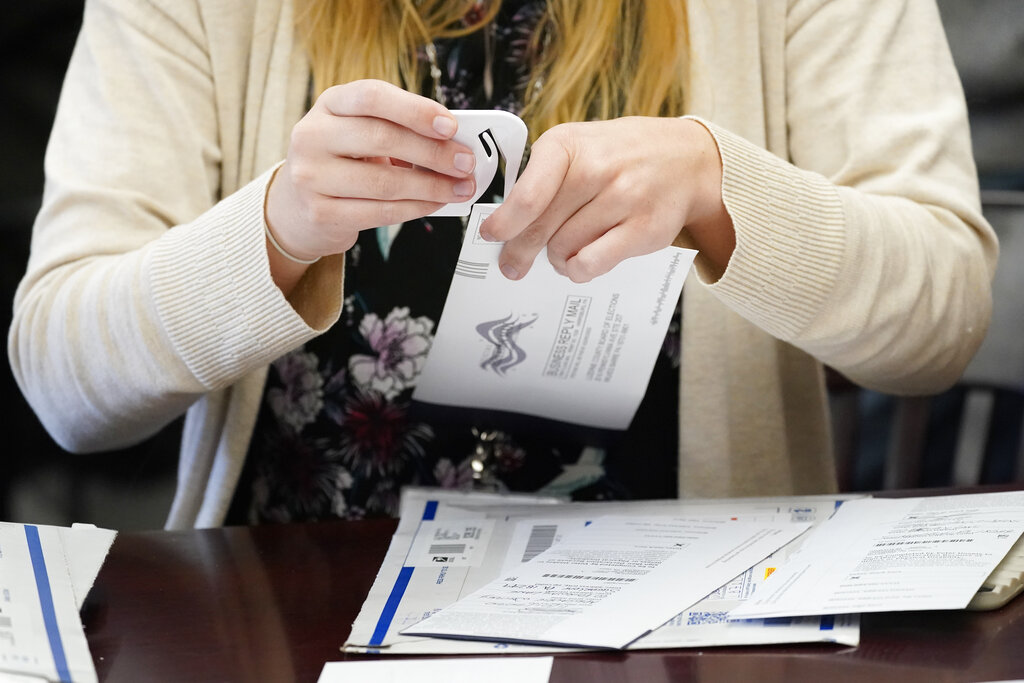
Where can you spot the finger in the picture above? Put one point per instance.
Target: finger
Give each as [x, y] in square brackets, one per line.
[520, 216]
[349, 178]
[646, 231]
[603, 254]
[362, 137]
[590, 222]
[519, 253]
[383, 100]
[531, 194]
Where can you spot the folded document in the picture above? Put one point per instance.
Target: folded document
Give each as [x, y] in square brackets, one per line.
[45, 574]
[612, 581]
[449, 545]
[886, 555]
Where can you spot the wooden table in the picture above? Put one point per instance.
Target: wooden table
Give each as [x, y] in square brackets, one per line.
[274, 603]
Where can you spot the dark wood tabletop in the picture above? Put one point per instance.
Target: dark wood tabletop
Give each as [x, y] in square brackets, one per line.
[275, 602]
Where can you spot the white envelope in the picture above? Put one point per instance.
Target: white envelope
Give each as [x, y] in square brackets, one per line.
[548, 347]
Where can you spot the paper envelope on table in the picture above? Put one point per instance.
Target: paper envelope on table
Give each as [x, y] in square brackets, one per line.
[45, 573]
[449, 544]
[546, 346]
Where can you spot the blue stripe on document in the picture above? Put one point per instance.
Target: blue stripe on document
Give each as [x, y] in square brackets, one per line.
[398, 590]
[35, 551]
[391, 606]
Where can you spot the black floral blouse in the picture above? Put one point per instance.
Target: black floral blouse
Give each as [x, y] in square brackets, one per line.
[337, 434]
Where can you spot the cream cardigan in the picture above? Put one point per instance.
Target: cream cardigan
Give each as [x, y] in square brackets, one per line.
[847, 172]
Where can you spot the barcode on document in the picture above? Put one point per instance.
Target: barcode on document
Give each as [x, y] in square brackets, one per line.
[703, 618]
[541, 538]
[589, 578]
[471, 269]
[447, 549]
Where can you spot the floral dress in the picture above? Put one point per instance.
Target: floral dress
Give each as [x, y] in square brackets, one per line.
[338, 435]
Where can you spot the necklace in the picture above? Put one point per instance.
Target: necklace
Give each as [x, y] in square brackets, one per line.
[487, 74]
[435, 73]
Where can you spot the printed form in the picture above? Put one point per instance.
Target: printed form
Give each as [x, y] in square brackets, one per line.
[450, 544]
[887, 555]
[548, 347]
[611, 582]
[45, 573]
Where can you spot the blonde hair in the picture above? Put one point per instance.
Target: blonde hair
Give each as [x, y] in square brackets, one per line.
[598, 60]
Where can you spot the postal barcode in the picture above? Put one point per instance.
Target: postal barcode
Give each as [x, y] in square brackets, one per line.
[471, 269]
[702, 618]
[541, 538]
[447, 549]
[589, 578]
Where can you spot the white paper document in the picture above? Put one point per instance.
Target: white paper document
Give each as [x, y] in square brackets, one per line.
[41, 590]
[548, 347]
[490, 669]
[414, 584]
[85, 547]
[612, 582]
[878, 555]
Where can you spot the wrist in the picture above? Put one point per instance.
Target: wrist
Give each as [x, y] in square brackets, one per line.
[275, 213]
[286, 268]
[272, 241]
[709, 223]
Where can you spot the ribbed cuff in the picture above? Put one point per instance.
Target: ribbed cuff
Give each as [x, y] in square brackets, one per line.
[215, 295]
[789, 237]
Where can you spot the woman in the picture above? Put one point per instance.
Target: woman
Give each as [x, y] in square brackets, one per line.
[823, 169]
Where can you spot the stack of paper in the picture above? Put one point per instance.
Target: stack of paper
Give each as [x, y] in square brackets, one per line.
[482, 573]
[705, 557]
[612, 582]
[901, 554]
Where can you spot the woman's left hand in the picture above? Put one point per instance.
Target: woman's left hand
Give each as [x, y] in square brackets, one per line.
[600, 192]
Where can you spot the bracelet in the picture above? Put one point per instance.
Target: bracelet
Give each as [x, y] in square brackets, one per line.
[280, 249]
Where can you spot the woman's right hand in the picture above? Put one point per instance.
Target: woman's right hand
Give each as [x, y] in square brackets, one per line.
[367, 154]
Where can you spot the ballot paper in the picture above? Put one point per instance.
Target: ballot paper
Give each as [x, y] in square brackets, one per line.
[45, 572]
[891, 555]
[510, 670]
[612, 582]
[546, 346]
[414, 584]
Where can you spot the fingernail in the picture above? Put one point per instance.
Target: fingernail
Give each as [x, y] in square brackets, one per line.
[463, 188]
[444, 125]
[509, 272]
[464, 162]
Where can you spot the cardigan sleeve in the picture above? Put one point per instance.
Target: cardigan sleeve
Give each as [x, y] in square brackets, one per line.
[145, 287]
[866, 247]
